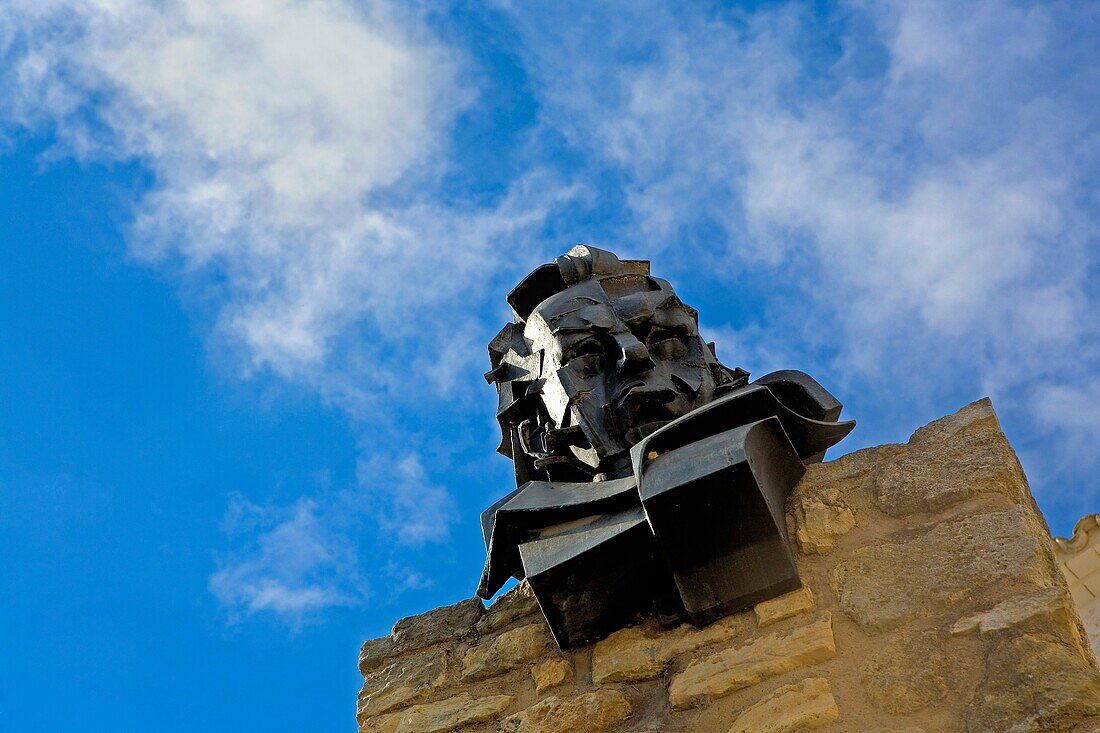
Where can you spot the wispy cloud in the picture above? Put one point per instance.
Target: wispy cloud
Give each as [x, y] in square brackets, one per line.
[917, 192]
[287, 140]
[296, 149]
[905, 191]
[409, 505]
[288, 562]
[297, 560]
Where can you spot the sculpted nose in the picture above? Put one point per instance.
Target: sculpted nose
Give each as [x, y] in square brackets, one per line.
[635, 356]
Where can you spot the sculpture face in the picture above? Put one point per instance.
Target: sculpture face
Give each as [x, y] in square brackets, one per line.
[600, 355]
[618, 360]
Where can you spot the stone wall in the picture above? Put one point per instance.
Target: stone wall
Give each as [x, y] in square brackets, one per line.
[932, 602]
[1079, 560]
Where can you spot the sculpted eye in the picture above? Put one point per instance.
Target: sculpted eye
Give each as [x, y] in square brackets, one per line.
[666, 344]
[586, 355]
[588, 347]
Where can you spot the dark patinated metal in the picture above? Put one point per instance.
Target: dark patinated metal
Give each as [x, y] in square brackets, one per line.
[651, 477]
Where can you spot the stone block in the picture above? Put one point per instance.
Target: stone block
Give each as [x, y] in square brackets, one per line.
[636, 654]
[401, 682]
[908, 673]
[1050, 609]
[740, 667]
[803, 706]
[991, 556]
[505, 652]
[595, 712]
[851, 473]
[512, 606]
[437, 717]
[437, 626]
[952, 459]
[785, 606]
[374, 653]
[1035, 683]
[819, 524]
[552, 673]
[821, 509]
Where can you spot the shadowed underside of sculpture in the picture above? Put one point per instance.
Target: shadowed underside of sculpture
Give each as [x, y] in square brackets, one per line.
[650, 476]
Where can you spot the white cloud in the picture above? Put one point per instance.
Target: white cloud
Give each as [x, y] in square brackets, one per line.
[923, 195]
[1070, 409]
[289, 562]
[406, 502]
[296, 149]
[296, 146]
[295, 561]
[920, 201]
[269, 126]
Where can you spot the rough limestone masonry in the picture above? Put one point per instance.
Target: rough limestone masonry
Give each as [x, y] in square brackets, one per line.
[932, 603]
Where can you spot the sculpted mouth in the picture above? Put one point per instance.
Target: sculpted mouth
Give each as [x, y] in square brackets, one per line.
[644, 415]
[642, 430]
[640, 409]
[641, 393]
[624, 392]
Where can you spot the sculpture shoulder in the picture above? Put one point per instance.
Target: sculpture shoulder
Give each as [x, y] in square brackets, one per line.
[801, 393]
[538, 502]
[535, 495]
[806, 411]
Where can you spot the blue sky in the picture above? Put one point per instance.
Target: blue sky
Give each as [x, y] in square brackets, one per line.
[252, 253]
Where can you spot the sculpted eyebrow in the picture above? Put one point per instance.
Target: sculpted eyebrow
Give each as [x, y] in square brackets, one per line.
[581, 329]
[636, 310]
[570, 340]
[573, 305]
[571, 309]
[597, 317]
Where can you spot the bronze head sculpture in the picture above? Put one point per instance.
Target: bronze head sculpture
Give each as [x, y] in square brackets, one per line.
[651, 477]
